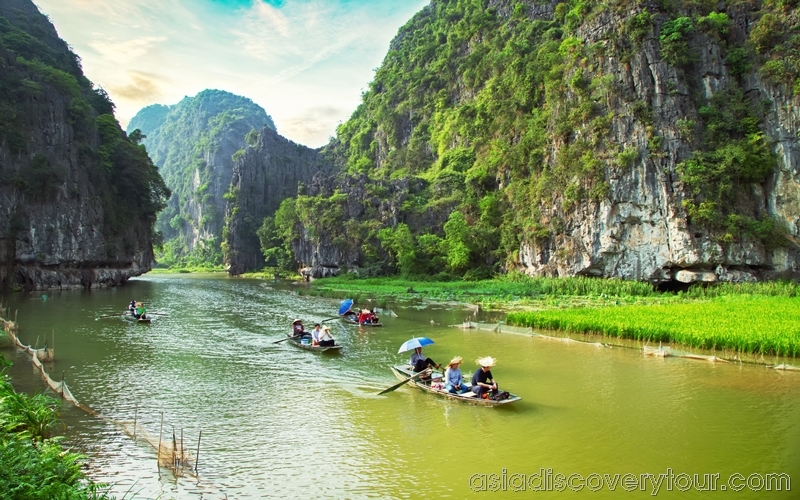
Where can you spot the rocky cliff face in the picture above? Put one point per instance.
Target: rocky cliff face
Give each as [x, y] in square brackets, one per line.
[266, 174]
[193, 143]
[63, 225]
[632, 152]
[641, 230]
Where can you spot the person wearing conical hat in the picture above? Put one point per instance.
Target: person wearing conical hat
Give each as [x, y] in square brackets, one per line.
[454, 382]
[297, 328]
[325, 338]
[365, 316]
[483, 382]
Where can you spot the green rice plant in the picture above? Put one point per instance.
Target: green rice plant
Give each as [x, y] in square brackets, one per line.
[508, 288]
[748, 323]
[769, 288]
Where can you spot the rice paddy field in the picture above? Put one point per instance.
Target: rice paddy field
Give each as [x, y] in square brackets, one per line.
[506, 289]
[759, 318]
[748, 323]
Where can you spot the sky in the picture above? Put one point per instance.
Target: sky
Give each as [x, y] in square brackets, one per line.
[306, 62]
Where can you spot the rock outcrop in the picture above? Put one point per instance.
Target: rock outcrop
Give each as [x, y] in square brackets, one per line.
[641, 230]
[67, 221]
[263, 176]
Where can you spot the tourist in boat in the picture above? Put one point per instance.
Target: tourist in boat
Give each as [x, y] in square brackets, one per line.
[325, 338]
[454, 382]
[365, 317]
[483, 382]
[297, 328]
[373, 318]
[419, 362]
[315, 333]
[140, 312]
[132, 307]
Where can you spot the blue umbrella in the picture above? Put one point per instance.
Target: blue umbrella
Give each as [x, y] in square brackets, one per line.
[412, 344]
[346, 304]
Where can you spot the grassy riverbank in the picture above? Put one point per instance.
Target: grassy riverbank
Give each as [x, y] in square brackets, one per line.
[748, 317]
[33, 466]
[503, 291]
[747, 323]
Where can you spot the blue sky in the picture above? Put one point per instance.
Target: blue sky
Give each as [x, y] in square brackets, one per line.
[305, 62]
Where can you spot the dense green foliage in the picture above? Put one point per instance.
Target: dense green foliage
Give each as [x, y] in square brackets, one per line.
[273, 237]
[194, 143]
[128, 183]
[506, 123]
[758, 324]
[776, 40]
[33, 466]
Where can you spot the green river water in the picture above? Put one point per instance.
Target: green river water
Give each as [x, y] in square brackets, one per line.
[278, 421]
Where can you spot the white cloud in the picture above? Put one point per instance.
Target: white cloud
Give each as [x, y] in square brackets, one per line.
[124, 51]
[296, 60]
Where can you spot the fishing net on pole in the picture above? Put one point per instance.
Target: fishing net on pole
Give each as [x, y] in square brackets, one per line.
[172, 452]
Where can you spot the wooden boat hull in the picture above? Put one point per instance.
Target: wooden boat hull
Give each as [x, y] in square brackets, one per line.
[316, 348]
[132, 318]
[352, 320]
[402, 372]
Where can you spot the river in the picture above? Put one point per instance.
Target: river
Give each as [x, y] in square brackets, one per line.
[278, 421]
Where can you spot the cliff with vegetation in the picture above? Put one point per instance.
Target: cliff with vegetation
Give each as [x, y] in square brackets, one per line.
[270, 171]
[651, 141]
[194, 144]
[78, 196]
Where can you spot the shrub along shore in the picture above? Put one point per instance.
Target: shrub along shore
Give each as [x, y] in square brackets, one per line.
[757, 318]
[33, 466]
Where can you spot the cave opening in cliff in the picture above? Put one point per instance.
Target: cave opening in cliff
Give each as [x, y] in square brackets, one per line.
[673, 286]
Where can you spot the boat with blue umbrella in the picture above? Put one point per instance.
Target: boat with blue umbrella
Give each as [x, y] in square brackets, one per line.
[431, 382]
[354, 317]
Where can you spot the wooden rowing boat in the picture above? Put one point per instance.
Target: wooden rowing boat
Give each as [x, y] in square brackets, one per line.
[404, 371]
[296, 341]
[131, 317]
[353, 320]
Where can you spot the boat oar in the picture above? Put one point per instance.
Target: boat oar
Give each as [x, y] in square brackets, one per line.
[287, 338]
[328, 319]
[402, 382]
[158, 314]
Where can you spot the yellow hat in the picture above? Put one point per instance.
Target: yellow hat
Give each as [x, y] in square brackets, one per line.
[488, 361]
[455, 361]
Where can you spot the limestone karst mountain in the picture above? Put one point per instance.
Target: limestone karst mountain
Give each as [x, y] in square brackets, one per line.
[78, 196]
[651, 141]
[193, 143]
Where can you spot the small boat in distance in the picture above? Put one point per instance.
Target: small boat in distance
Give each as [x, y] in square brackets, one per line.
[405, 371]
[130, 317]
[305, 343]
[351, 319]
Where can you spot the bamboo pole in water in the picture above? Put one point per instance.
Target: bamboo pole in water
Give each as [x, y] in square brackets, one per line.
[174, 451]
[197, 456]
[160, 430]
[135, 414]
[183, 459]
